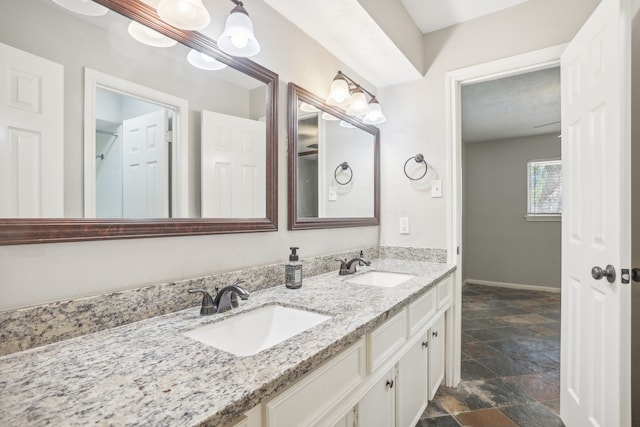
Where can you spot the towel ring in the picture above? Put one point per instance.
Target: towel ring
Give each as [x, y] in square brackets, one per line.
[344, 166]
[419, 158]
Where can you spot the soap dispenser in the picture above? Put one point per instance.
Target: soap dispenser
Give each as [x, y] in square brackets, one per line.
[293, 271]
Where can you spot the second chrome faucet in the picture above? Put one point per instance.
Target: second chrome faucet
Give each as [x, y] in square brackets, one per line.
[225, 299]
[349, 267]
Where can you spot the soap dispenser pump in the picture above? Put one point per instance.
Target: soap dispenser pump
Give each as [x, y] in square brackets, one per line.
[293, 271]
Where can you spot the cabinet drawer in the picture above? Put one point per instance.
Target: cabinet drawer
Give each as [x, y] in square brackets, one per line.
[385, 340]
[310, 399]
[421, 310]
[444, 291]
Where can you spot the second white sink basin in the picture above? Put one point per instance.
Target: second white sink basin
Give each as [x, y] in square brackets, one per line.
[248, 333]
[380, 278]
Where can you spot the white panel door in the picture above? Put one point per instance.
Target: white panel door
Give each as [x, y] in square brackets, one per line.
[412, 383]
[145, 166]
[595, 352]
[377, 407]
[31, 135]
[233, 155]
[437, 354]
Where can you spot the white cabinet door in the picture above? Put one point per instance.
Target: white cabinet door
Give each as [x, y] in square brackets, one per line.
[348, 420]
[377, 407]
[437, 351]
[412, 383]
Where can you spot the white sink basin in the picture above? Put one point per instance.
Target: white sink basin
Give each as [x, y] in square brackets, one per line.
[251, 332]
[380, 278]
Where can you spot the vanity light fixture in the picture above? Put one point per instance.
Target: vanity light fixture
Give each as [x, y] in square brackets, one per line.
[150, 37]
[83, 7]
[238, 38]
[349, 95]
[184, 14]
[204, 61]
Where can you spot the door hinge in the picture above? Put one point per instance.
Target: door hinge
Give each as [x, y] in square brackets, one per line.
[458, 250]
[168, 136]
[624, 276]
[635, 274]
[355, 416]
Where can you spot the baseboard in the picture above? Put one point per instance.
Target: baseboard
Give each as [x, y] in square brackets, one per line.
[512, 285]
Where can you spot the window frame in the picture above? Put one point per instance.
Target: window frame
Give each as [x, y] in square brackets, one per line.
[532, 216]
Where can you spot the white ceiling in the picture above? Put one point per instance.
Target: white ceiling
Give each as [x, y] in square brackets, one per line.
[345, 29]
[432, 15]
[512, 107]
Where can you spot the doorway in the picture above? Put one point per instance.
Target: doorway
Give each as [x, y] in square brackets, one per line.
[115, 107]
[512, 181]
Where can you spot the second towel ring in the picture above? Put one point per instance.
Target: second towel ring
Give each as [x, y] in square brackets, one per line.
[419, 158]
[344, 166]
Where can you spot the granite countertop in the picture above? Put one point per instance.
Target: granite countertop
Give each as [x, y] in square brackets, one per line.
[149, 373]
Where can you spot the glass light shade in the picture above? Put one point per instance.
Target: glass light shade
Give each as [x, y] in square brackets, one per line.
[148, 36]
[359, 104]
[344, 124]
[184, 14]
[374, 116]
[330, 117]
[83, 7]
[339, 93]
[203, 61]
[308, 108]
[238, 39]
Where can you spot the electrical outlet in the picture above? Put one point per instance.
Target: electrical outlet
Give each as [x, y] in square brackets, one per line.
[404, 225]
[436, 188]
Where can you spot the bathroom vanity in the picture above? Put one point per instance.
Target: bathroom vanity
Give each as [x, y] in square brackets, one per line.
[375, 358]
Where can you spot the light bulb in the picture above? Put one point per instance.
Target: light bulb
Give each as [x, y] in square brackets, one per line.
[239, 41]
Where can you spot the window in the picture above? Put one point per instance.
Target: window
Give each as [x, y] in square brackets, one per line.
[544, 189]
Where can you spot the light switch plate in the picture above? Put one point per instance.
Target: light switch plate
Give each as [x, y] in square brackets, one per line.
[404, 225]
[333, 196]
[436, 188]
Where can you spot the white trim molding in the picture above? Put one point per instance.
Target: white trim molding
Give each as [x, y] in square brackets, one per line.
[512, 285]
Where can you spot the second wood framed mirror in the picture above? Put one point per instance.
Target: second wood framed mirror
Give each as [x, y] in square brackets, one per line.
[334, 178]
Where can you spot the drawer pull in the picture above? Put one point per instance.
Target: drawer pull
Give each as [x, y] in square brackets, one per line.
[435, 334]
[390, 383]
[425, 344]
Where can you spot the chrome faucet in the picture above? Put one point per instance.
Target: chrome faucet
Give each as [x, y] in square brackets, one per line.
[226, 298]
[349, 267]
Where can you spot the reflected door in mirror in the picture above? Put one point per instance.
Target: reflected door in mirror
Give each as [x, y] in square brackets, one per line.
[31, 135]
[233, 154]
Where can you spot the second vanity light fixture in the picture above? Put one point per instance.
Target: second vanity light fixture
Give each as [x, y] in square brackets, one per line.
[349, 95]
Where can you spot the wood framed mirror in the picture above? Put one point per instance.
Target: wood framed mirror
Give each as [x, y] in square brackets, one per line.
[333, 170]
[177, 218]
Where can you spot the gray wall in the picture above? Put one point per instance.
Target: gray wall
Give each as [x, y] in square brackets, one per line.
[498, 244]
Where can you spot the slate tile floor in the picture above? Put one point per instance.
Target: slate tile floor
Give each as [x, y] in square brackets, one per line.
[510, 362]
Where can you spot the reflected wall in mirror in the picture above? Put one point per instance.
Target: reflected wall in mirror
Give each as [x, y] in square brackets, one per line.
[161, 137]
[333, 166]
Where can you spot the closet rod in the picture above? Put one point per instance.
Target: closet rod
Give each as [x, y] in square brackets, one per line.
[106, 132]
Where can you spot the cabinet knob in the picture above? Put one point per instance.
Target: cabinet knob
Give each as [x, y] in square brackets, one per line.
[425, 344]
[435, 334]
[390, 383]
